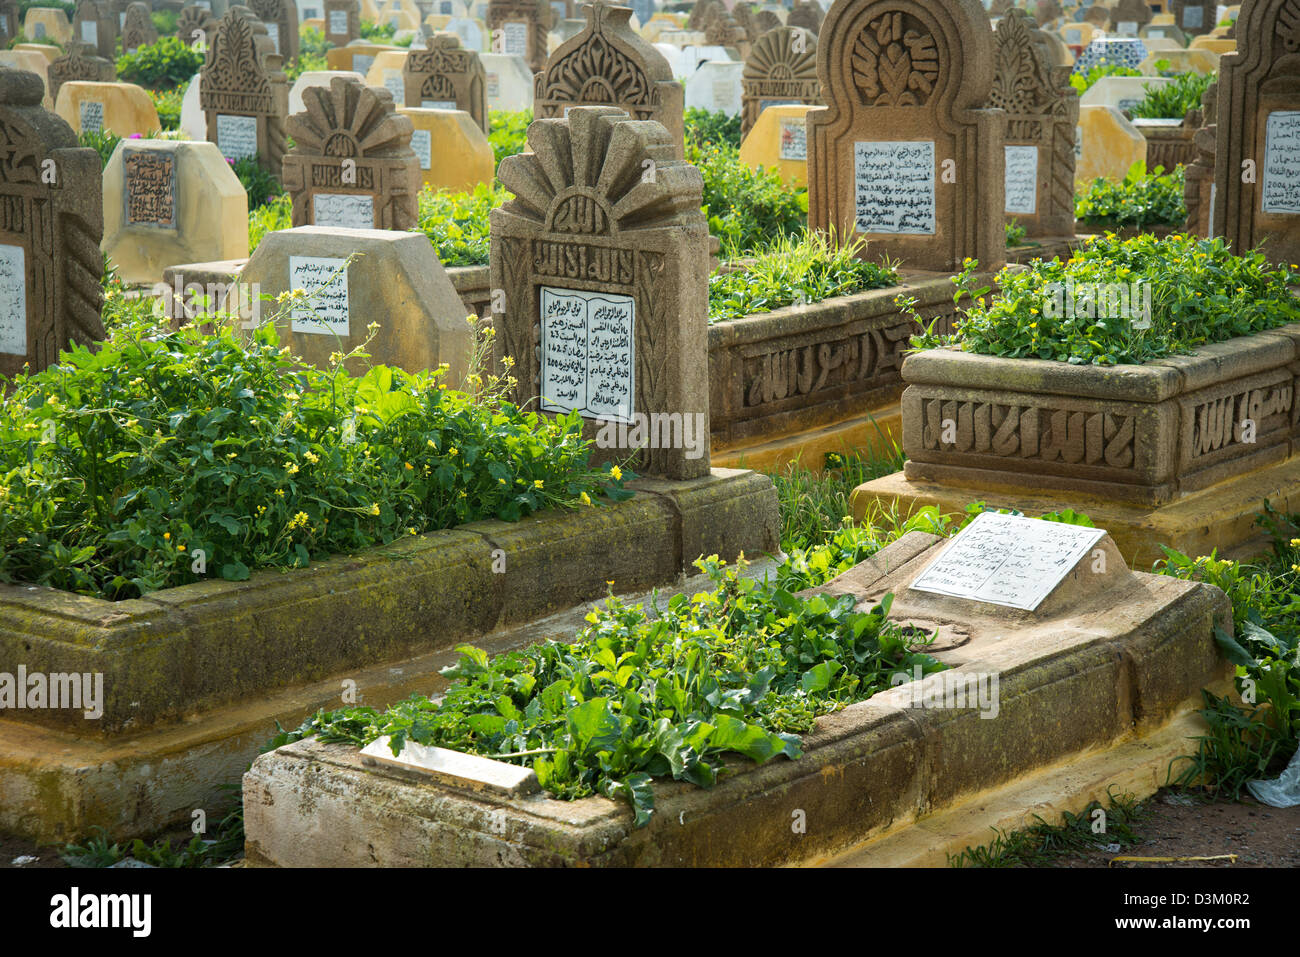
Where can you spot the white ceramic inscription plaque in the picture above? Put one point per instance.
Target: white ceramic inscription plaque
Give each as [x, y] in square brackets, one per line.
[514, 37]
[1281, 188]
[1007, 560]
[89, 31]
[794, 139]
[1022, 179]
[349, 210]
[92, 116]
[894, 187]
[438, 104]
[13, 301]
[422, 143]
[338, 21]
[326, 281]
[236, 136]
[587, 360]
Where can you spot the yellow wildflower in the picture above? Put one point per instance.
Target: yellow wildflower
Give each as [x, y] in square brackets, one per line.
[374, 509]
[616, 473]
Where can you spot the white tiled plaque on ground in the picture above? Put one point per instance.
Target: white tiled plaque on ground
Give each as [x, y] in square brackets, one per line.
[349, 210]
[422, 143]
[92, 116]
[894, 187]
[794, 139]
[236, 136]
[1022, 179]
[13, 300]
[587, 353]
[1281, 190]
[1007, 560]
[326, 282]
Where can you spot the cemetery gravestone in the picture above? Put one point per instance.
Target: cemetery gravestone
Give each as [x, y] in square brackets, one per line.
[701, 13]
[1195, 17]
[351, 164]
[605, 275]
[51, 223]
[508, 81]
[1198, 181]
[766, 20]
[169, 202]
[472, 33]
[716, 87]
[609, 65]
[93, 25]
[195, 25]
[518, 28]
[342, 21]
[1122, 92]
[463, 158]
[1128, 17]
[1047, 12]
[315, 78]
[10, 22]
[447, 77]
[1258, 130]
[121, 108]
[779, 141]
[45, 23]
[281, 20]
[782, 68]
[1042, 111]
[1107, 145]
[724, 31]
[1164, 31]
[905, 154]
[244, 102]
[138, 29]
[79, 63]
[805, 14]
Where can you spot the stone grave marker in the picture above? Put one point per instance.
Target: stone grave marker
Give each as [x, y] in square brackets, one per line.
[1163, 31]
[724, 31]
[766, 20]
[779, 141]
[51, 223]
[463, 158]
[315, 78]
[195, 24]
[1219, 45]
[1048, 12]
[905, 154]
[138, 29]
[121, 108]
[47, 23]
[386, 72]
[10, 22]
[605, 281]
[1122, 92]
[716, 87]
[1195, 17]
[807, 15]
[1198, 180]
[610, 65]
[351, 164]
[701, 13]
[1042, 111]
[1128, 17]
[447, 77]
[79, 63]
[194, 122]
[781, 68]
[1258, 134]
[93, 25]
[1107, 145]
[342, 21]
[508, 81]
[244, 100]
[518, 28]
[169, 202]
[358, 56]
[472, 33]
[281, 20]
[395, 280]
[1078, 34]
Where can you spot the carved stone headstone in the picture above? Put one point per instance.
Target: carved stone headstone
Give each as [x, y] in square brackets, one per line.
[608, 64]
[1048, 12]
[702, 13]
[1128, 17]
[518, 28]
[1195, 17]
[342, 21]
[51, 223]
[1042, 111]
[782, 68]
[724, 31]
[10, 22]
[195, 24]
[79, 63]
[806, 14]
[605, 275]
[905, 154]
[766, 20]
[93, 25]
[1258, 113]
[138, 30]
[351, 164]
[446, 77]
[245, 100]
[744, 17]
[281, 20]
[1198, 178]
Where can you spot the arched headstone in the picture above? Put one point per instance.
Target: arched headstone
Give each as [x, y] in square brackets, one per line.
[782, 68]
[245, 100]
[446, 77]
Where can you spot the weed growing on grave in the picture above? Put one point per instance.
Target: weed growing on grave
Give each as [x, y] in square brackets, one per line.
[704, 127]
[164, 65]
[1015, 234]
[747, 209]
[792, 270]
[743, 668]
[311, 53]
[165, 456]
[457, 223]
[262, 188]
[508, 132]
[1141, 199]
[1085, 81]
[164, 21]
[270, 217]
[1200, 293]
[168, 105]
[815, 504]
[226, 845]
[102, 142]
[1171, 101]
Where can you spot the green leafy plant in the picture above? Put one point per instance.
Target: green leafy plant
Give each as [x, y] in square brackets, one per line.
[102, 142]
[168, 105]
[1139, 199]
[457, 223]
[1085, 81]
[704, 127]
[747, 209]
[164, 65]
[270, 217]
[804, 270]
[508, 132]
[1015, 234]
[743, 668]
[311, 53]
[1171, 101]
[1199, 293]
[164, 21]
[262, 187]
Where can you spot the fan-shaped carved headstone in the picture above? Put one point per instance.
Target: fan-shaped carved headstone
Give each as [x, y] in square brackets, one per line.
[138, 30]
[79, 63]
[351, 164]
[1042, 111]
[806, 14]
[446, 77]
[51, 224]
[244, 99]
[608, 64]
[702, 13]
[782, 68]
[905, 154]
[603, 260]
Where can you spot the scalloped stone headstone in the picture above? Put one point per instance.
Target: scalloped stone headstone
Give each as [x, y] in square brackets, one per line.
[781, 69]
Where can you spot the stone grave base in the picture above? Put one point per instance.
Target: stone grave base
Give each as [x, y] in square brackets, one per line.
[282, 645]
[878, 433]
[1221, 516]
[1110, 659]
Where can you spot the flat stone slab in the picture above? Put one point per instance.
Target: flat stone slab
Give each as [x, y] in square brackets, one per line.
[452, 768]
[1108, 657]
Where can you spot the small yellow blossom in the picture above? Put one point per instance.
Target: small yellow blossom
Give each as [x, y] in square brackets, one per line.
[374, 509]
[410, 467]
[280, 492]
[453, 451]
[291, 467]
[180, 548]
[538, 483]
[586, 499]
[616, 473]
[167, 536]
[311, 457]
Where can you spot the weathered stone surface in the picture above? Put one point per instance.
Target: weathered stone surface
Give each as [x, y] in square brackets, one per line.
[281, 20]
[122, 108]
[1042, 111]
[1163, 31]
[1122, 92]
[357, 56]
[138, 29]
[781, 69]
[1108, 144]
[607, 64]
[1127, 17]
[47, 23]
[451, 150]
[1079, 35]
[168, 202]
[1198, 178]
[79, 63]
[195, 25]
[1195, 17]
[807, 15]
[447, 77]
[589, 233]
[310, 78]
[10, 22]
[50, 230]
[245, 97]
[342, 21]
[779, 141]
[94, 26]
[518, 28]
[905, 153]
